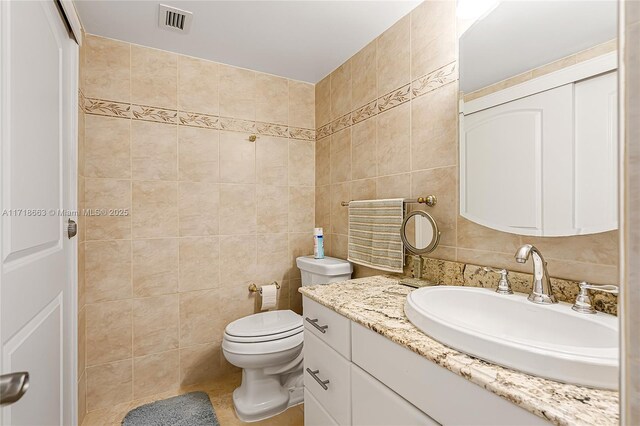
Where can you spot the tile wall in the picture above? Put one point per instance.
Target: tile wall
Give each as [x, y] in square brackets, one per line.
[195, 211]
[387, 127]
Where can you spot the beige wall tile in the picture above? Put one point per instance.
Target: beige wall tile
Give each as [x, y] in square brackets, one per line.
[107, 147]
[396, 186]
[109, 332]
[599, 248]
[82, 397]
[341, 156]
[82, 341]
[237, 158]
[272, 258]
[301, 208]
[198, 154]
[340, 246]
[272, 209]
[323, 161]
[323, 101]
[155, 267]
[82, 284]
[364, 189]
[237, 261]
[300, 244]
[237, 93]
[199, 364]
[341, 91]
[295, 298]
[155, 209]
[197, 85]
[363, 149]
[108, 270]
[272, 99]
[106, 69]
[393, 141]
[199, 263]
[153, 374]
[433, 36]
[434, 133]
[200, 321]
[154, 149]
[323, 207]
[301, 104]
[363, 73]
[155, 324]
[442, 183]
[272, 160]
[340, 215]
[107, 194]
[198, 208]
[474, 236]
[109, 384]
[394, 57]
[301, 163]
[237, 209]
[154, 77]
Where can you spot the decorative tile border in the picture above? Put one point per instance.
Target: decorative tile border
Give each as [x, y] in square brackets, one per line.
[418, 87]
[191, 119]
[438, 78]
[395, 98]
[158, 115]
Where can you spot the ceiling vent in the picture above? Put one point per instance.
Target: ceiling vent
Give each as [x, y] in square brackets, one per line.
[174, 19]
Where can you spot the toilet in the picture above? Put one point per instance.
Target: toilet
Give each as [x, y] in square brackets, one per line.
[268, 348]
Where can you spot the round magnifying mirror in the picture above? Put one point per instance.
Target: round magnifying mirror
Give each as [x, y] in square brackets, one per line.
[419, 232]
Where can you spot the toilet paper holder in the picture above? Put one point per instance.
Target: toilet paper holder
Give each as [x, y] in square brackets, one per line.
[253, 288]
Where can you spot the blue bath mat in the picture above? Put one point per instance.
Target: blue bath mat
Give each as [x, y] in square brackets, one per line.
[191, 409]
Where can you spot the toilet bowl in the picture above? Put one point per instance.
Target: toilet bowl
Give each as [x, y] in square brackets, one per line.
[268, 348]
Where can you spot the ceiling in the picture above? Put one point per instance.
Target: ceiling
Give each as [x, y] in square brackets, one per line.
[518, 36]
[301, 40]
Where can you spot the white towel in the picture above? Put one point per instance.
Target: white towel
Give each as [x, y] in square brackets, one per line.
[374, 234]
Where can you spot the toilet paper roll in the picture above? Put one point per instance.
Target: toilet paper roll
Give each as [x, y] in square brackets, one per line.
[269, 297]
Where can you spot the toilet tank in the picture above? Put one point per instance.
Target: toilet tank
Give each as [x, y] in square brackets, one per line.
[323, 271]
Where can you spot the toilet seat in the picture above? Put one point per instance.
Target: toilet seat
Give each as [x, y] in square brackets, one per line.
[264, 347]
[264, 326]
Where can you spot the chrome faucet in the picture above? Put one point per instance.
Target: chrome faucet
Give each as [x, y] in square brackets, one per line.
[541, 292]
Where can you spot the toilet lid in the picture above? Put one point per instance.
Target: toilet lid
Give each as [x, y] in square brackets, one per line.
[264, 324]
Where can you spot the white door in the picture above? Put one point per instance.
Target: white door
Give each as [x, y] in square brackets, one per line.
[38, 74]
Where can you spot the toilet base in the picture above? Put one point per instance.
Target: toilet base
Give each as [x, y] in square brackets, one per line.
[261, 396]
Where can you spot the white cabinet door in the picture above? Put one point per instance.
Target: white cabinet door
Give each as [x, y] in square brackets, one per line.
[374, 404]
[314, 413]
[504, 166]
[596, 154]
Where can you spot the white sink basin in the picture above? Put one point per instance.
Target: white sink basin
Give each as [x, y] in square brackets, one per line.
[550, 341]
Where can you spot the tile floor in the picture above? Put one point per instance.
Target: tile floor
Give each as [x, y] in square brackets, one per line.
[220, 393]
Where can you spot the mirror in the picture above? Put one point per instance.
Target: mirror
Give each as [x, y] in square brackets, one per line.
[538, 118]
[419, 232]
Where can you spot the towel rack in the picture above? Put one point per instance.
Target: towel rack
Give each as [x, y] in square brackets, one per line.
[429, 200]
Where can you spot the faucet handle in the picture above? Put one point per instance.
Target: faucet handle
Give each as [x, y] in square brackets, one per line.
[504, 285]
[583, 302]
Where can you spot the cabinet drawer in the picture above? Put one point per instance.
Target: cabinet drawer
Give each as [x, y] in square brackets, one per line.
[443, 395]
[322, 364]
[329, 326]
[314, 414]
[374, 404]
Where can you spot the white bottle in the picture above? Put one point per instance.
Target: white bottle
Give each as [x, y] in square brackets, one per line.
[318, 243]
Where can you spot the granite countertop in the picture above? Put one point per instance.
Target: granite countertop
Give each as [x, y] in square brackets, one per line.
[378, 304]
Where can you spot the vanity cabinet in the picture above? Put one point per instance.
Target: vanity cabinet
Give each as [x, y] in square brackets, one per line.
[375, 381]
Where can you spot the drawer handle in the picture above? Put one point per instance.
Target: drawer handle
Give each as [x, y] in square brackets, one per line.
[314, 322]
[321, 382]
